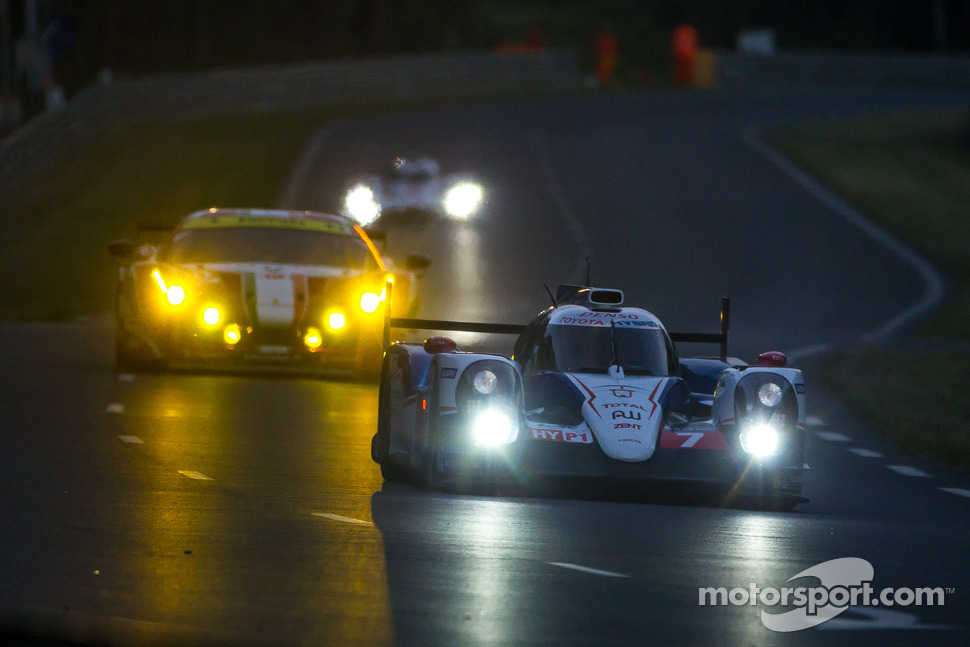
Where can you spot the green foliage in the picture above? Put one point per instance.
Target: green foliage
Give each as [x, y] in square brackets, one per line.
[909, 173]
[916, 397]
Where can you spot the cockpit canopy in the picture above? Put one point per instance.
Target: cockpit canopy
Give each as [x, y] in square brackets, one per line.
[574, 339]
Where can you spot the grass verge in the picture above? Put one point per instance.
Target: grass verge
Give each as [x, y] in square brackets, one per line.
[909, 173]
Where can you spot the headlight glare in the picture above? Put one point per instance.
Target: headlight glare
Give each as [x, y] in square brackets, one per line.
[462, 200]
[175, 294]
[493, 427]
[369, 302]
[361, 205]
[210, 316]
[231, 334]
[336, 320]
[313, 338]
[760, 440]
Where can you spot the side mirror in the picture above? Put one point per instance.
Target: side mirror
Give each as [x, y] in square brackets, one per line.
[121, 249]
[417, 263]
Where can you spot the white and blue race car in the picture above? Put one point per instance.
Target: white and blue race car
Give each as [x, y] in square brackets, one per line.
[595, 389]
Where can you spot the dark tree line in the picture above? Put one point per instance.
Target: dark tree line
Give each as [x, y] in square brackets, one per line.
[133, 38]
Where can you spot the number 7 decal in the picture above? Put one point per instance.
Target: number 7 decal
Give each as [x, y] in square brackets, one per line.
[692, 438]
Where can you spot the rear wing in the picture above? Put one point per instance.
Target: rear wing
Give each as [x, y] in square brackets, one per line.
[514, 329]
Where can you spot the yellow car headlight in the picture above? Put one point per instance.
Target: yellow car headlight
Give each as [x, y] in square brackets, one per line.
[211, 316]
[369, 302]
[336, 320]
[231, 334]
[175, 294]
[312, 338]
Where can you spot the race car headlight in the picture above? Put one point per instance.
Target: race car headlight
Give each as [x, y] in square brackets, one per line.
[210, 316]
[361, 205]
[769, 394]
[312, 338]
[175, 294]
[484, 382]
[493, 427]
[462, 200]
[336, 320]
[487, 383]
[370, 301]
[764, 396]
[760, 440]
[231, 334]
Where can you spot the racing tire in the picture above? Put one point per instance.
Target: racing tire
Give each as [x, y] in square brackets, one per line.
[431, 472]
[381, 444]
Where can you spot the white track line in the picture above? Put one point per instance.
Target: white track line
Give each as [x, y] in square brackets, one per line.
[131, 440]
[586, 569]
[833, 437]
[114, 407]
[933, 291]
[299, 176]
[866, 453]
[812, 421]
[906, 470]
[957, 491]
[198, 476]
[337, 517]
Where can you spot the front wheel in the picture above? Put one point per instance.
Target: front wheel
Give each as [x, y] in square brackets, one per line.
[381, 444]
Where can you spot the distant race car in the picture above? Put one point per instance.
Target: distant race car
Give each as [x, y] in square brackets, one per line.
[246, 285]
[412, 185]
[595, 389]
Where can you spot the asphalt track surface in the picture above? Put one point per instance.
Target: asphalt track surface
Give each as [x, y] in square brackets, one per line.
[244, 509]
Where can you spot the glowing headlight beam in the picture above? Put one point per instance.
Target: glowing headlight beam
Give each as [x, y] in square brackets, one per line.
[463, 199]
[361, 205]
[175, 294]
[231, 334]
[492, 427]
[336, 320]
[760, 440]
[369, 301]
[312, 338]
[211, 316]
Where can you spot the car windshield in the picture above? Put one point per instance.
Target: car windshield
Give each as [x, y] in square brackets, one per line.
[268, 245]
[589, 349]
